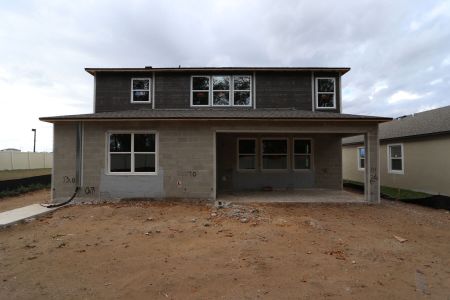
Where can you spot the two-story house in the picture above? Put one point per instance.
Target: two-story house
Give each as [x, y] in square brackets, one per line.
[202, 132]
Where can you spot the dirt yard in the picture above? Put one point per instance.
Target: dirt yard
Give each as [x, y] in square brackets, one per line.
[8, 203]
[193, 251]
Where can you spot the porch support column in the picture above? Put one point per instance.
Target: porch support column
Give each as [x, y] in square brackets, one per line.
[372, 166]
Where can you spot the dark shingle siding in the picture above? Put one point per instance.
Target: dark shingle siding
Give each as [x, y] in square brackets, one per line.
[281, 89]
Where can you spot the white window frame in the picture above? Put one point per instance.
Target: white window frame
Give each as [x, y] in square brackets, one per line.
[209, 91]
[150, 82]
[231, 90]
[358, 158]
[262, 153]
[311, 157]
[249, 90]
[255, 154]
[389, 161]
[132, 153]
[213, 90]
[317, 92]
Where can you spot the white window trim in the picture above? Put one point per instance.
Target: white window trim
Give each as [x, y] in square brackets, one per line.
[192, 91]
[317, 93]
[255, 154]
[249, 90]
[150, 82]
[262, 154]
[231, 90]
[132, 132]
[358, 158]
[213, 90]
[389, 162]
[311, 154]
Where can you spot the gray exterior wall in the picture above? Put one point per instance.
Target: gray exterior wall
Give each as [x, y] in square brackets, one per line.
[426, 164]
[173, 90]
[113, 92]
[186, 157]
[325, 172]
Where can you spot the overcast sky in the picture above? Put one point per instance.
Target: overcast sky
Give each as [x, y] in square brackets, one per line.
[399, 51]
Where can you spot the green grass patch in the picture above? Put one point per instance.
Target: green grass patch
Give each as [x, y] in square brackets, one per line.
[24, 189]
[395, 193]
[18, 174]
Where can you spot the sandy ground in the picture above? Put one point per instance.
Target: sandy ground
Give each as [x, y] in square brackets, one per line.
[191, 251]
[39, 196]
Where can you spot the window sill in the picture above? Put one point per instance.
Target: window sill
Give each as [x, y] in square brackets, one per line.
[396, 172]
[132, 174]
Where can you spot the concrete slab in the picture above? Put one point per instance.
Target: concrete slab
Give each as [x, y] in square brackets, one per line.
[14, 216]
[294, 196]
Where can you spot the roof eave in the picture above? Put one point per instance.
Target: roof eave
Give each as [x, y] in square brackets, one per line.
[341, 70]
[53, 120]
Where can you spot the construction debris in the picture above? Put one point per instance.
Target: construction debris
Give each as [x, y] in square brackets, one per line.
[400, 239]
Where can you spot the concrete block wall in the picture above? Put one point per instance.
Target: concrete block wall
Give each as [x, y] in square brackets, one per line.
[185, 162]
[186, 157]
[64, 147]
[328, 162]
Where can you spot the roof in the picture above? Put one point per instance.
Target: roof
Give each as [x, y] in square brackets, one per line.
[436, 121]
[214, 114]
[341, 70]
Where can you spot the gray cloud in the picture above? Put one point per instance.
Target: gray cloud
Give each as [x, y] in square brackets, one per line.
[399, 51]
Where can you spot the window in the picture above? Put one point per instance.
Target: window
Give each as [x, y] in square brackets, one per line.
[132, 153]
[221, 90]
[395, 158]
[200, 90]
[140, 90]
[246, 154]
[274, 154]
[242, 91]
[361, 157]
[326, 93]
[302, 154]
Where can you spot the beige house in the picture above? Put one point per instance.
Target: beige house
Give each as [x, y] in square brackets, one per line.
[414, 153]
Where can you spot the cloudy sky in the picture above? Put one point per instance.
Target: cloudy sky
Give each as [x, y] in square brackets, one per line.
[399, 51]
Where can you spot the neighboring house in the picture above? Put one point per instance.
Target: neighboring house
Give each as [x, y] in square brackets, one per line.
[414, 153]
[200, 132]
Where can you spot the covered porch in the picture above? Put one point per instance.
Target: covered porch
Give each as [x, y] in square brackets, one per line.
[291, 165]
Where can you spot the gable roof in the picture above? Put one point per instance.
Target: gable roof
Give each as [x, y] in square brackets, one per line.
[341, 70]
[429, 122]
[214, 114]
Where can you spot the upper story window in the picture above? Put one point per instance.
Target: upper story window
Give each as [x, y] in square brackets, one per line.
[218, 90]
[395, 159]
[140, 90]
[325, 92]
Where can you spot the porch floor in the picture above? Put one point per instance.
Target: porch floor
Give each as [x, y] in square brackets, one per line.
[299, 196]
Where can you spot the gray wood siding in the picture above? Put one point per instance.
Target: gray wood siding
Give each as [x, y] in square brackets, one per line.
[113, 92]
[172, 90]
[284, 90]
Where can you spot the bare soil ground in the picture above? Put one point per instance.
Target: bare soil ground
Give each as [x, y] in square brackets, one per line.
[193, 251]
[8, 203]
